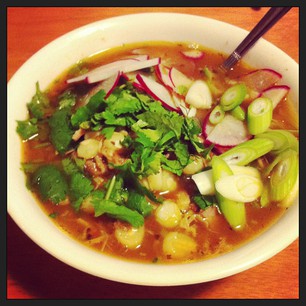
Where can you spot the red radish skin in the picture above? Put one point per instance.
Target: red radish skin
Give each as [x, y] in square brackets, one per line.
[276, 93]
[108, 85]
[126, 76]
[138, 86]
[261, 79]
[162, 73]
[131, 77]
[157, 91]
[111, 83]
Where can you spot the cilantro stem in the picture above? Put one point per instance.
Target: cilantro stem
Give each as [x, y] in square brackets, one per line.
[110, 187]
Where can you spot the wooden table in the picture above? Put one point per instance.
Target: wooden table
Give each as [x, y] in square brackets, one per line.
[34, 274]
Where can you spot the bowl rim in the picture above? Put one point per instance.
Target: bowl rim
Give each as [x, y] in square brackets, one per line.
[139, 273]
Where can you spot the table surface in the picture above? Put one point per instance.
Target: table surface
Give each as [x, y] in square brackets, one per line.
[34, 274]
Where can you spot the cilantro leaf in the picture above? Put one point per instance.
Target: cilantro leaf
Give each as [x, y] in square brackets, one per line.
[116, 191]
[38, 104]
[138, 202]
[204, 201]
[81, 115]
[85, 112]
[61, 131]
[72, 166]
[191, 130]
[111, 119]
[166, 139]
[173, 166]
[125, 103]
[145, 160]
[51, 183]
[109, 207]
[108, 131]
[79, 188]
[67, 99]
[131, 181]
[181, 152]
[164, 122]
[27, 128]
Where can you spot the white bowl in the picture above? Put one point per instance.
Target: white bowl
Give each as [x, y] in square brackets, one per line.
[58, 55]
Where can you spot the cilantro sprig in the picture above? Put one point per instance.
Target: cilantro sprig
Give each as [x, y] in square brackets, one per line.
[37, 108]
[157, 139]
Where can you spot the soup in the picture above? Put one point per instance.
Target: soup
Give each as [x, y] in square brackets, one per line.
[149, 152]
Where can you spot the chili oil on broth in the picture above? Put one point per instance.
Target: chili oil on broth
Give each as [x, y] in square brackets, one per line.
[213, 234]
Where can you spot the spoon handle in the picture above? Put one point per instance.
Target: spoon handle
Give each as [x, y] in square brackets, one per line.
[269, 19]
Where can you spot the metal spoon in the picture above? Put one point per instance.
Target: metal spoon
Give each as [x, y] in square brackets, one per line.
[268, 20]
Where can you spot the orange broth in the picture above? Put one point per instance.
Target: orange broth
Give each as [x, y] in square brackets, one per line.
[212, 233]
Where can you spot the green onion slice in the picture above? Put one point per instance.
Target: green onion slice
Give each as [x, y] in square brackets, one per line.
[216, 115]
[233, 211]
[259, 115]
[265, 196]
[248, 151]
[240, 187]
[282, 140]
[283, 173]
[238, 112]
[233, 96]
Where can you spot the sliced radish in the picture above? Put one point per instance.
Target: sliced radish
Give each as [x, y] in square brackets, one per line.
[193, 54]
[108, 85]
[180, 81]
[162, 73]
[261, 79]
[127, 67]
[127, 76]
[157, 91]
[228, 133]
[131, 77]
[138, 86]
[108, 67]
[276, 93]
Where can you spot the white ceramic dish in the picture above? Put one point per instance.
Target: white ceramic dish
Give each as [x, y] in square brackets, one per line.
[51, 60]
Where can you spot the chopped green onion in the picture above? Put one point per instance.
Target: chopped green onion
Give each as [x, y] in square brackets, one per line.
[283, 173]
[233, 96]
[265, 197]
[248, 170]
[233, 211]
[240, 187]
[238, 113]
[291, 196]
[248, 151]
[211, 76]
[110, 187]
[216, 115]
[204, 182]
[282, 140]
[259, 115]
